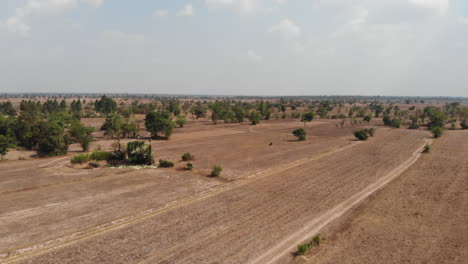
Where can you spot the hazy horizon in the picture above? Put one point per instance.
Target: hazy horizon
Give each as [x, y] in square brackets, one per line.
[235, 47]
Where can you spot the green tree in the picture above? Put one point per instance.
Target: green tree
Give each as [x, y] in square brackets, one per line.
[113, 125]
[158, 123]
[181, 121]
[53, 140]
[255, 117]
[300, 133]
[139, 153]
[308, 117]
[105, 105]
[81, 134]
[198, 110]
[437, 131]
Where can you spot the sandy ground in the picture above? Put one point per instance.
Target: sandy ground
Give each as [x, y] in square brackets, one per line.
[56, 214]
[419, 218]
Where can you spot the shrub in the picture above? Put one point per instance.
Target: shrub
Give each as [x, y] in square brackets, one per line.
[300, 134]
[165, 163]
[370, 131]
[302, 249]
[99, 155]
[367, 118]
[361, 134]
[139, 153]
[413, 126]
[427, 149]
[216, 171]
[187, 156]
[315, 242]
[189, 166]
[80, 158]
[437, 131]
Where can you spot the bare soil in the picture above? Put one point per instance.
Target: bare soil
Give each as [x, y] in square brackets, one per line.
[419, 218]
[53, 213]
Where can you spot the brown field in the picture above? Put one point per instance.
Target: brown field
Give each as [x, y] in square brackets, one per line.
[267, 200]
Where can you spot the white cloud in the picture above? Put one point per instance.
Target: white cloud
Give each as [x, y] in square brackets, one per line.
[253, 57]
[287, 29]
[161, 13]
[186, 11]
[440, 7]
[242, 6]
[18, 22]
[462, 21]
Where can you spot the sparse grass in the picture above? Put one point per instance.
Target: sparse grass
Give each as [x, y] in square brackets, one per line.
[216, 171]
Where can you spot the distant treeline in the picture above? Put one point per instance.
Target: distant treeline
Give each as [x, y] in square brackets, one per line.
[356, 98]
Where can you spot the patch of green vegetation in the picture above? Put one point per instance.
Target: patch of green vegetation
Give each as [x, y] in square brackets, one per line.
[216, 171]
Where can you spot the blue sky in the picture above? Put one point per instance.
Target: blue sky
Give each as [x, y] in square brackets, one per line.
[253, 47]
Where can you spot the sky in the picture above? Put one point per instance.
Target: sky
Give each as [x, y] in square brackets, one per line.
[235, 47]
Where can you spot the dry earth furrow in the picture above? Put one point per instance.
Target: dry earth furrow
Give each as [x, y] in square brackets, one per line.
[150, 212]
[418, 218]
[233, 217]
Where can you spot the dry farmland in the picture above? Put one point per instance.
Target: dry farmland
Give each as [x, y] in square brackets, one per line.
[375, 201]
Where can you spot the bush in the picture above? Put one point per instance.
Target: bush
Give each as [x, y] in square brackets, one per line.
[367, 118]
[302, 249]
[99, 155]
[187, 156]
[189, 166]
[165, 163]
[427, 149]
[139, 153]
[361, 134]
[216, 171]
[370, 131]
[413, 126]
[315, 242]
[80, 158]
[437, 131]
[300, 134]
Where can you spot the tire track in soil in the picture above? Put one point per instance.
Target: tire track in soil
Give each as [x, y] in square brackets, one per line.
[119, 223]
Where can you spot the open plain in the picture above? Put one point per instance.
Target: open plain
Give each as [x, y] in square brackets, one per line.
[275, 193]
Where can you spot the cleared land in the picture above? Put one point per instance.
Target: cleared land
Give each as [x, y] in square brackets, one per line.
[419, 218]
[267, 196]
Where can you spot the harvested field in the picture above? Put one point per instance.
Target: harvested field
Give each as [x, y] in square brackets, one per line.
[268, 194]
[418, 218]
